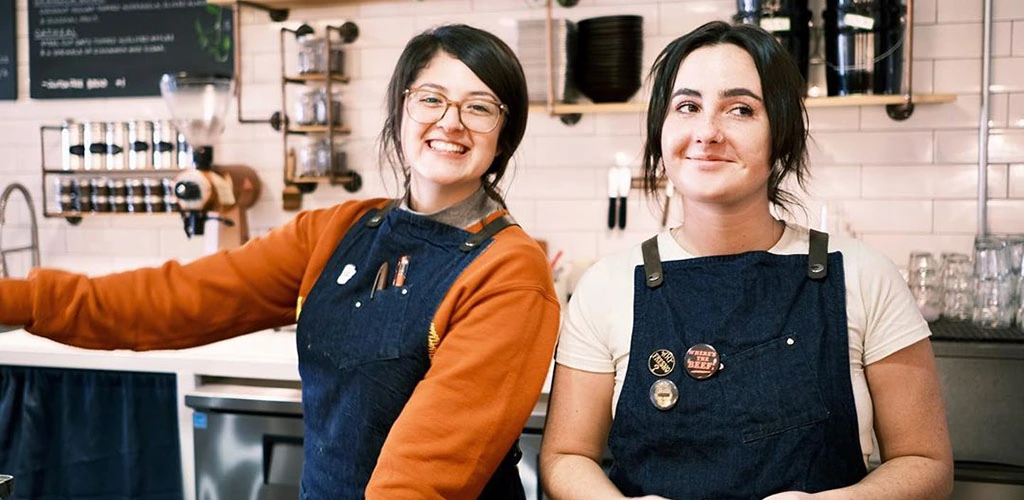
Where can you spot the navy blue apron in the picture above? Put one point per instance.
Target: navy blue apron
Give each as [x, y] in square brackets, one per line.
[360, 357]
[774, 412]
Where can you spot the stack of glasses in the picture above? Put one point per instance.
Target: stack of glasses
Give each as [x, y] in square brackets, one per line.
[532, 51]
[987, 290]
[925, 284]
[997, 269]
[957, 282]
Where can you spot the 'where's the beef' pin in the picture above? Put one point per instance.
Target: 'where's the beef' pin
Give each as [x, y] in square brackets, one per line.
[661, 362]
[701, 361]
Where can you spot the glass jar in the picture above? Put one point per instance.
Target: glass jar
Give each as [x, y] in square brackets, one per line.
[311, 106]
[306, 106]
[99, 203]
[313, 55]
[116, 139]
[140, 139]
[94, 141]
[67, 203]
[313, 157]
[137, 204]
[119, 203]
[322, 103]
[72, 147]
[155, 203]
[164, 140]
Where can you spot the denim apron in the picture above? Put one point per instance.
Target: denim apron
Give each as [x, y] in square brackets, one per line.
[763, 403]
[360, 357]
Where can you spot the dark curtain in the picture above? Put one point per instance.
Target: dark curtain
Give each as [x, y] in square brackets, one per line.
[89, 434]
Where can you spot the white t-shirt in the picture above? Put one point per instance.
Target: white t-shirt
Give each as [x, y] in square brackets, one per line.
[881, 313]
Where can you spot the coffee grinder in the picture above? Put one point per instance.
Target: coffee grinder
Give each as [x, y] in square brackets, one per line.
[205, 192]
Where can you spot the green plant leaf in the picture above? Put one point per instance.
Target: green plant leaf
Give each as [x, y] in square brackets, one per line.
[201, 38]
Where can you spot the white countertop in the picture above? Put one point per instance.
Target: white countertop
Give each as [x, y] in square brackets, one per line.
[266, 354]
[263, 356]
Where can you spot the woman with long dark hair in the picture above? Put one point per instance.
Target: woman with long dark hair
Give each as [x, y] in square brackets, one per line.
[738, 356]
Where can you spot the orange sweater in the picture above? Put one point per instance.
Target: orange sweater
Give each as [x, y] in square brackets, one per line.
[498, 324]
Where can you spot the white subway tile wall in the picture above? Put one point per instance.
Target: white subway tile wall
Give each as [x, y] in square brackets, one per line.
[900, 186]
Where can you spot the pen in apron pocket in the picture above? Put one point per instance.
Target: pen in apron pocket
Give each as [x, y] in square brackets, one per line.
[401, 270]
[380, 282]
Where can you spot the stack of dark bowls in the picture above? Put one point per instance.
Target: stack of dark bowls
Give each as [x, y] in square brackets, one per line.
[609, 57]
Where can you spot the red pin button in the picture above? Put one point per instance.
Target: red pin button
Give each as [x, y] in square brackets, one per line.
[701, 361]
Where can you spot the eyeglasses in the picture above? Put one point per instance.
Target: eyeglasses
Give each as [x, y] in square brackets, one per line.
[428, 107]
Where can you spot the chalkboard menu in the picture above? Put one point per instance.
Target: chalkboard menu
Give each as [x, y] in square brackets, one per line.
[8, 51]
[119, 48]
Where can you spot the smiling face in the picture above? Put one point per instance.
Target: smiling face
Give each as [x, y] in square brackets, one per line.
[716, 138]
[447, 160]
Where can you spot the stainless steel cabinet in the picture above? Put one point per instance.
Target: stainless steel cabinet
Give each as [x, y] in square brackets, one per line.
[248, 442]
[983, 387]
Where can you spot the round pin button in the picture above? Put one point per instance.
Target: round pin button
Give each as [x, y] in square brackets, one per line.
[701, 361]
[661, 362]
[664, 394]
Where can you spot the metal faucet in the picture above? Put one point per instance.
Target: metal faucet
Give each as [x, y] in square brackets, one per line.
[34, 247]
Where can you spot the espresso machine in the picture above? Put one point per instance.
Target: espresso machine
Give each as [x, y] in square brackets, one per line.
[208, 193]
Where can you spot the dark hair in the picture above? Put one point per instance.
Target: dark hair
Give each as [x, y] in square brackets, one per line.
[781, 82]
[486, 56]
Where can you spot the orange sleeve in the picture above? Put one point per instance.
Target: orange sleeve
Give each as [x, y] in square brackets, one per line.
[173, 306]
[498, 324]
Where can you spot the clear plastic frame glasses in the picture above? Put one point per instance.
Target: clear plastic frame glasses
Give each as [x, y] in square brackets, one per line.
[429, 107]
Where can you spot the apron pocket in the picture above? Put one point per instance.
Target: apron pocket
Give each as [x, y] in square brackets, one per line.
[774, 389]
[373, 332]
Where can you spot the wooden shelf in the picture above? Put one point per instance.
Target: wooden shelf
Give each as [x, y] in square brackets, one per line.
[317, 129]
[57, 215]
[316, 77]
[169, 172]
[338, 179]
[875, 100]
[309, 180]
[810, 102]
[283, 4]
[607, 107]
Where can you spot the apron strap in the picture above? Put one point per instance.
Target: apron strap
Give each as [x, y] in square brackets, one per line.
[382, 213]
[652, 263]
[492, 228]
[817, 255]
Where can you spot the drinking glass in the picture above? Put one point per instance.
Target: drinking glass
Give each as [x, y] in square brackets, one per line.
[925, 283]
[957, 276]
[993, 285]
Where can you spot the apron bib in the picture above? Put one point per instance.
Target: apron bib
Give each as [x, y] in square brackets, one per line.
[363, 339]
[738, 384]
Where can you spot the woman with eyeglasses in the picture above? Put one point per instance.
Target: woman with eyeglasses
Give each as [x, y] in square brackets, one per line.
[426, 323]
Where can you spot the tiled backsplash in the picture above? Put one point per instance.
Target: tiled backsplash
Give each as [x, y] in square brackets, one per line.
[898, 185]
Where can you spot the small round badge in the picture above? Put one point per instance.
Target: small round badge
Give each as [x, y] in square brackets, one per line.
[701, 361]
[664, 394]
[661, 362]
